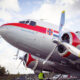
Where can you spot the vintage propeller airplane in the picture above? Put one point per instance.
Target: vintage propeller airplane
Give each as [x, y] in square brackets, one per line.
[50, 49]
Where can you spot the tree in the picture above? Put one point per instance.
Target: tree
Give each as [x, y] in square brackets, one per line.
[2, 71]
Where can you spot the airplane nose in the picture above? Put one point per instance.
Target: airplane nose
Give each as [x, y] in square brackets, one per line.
[3, 30]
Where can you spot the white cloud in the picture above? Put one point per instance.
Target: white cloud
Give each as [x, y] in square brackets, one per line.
[46, 12]
[51, 12]
[6, 16]
[6, 7]
[7, 53]
[70, 2]
[10, 5]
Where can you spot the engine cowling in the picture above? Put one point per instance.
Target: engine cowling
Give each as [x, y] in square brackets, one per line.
[70, 38]
[36, 63]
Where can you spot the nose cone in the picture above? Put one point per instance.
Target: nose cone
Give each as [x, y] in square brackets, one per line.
[6, 29]
[3, 30]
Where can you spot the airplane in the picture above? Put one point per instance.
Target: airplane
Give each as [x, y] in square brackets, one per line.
[48, 47]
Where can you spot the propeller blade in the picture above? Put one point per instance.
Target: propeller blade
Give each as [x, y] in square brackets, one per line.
[35, 64]
[19, 64]
[62, 22]
[17, 54]
[47, 58]
[25, 65]
[72, 49]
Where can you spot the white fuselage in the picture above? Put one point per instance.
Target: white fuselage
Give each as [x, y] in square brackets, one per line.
[30, 41]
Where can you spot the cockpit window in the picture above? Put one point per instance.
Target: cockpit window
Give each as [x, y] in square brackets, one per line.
[22, 22]
[32, 23]
[27, 22]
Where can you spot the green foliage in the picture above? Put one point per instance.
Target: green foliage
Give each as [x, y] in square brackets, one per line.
[18, 74]
[2, 71]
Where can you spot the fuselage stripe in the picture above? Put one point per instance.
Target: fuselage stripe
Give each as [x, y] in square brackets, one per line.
[34, 28]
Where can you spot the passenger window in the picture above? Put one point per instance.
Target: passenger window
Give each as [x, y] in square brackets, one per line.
[32, 23]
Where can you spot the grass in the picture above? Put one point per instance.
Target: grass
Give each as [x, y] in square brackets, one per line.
[9, 77]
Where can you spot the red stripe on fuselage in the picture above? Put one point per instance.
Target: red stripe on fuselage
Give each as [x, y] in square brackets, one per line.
[26, 26]
[35, 28]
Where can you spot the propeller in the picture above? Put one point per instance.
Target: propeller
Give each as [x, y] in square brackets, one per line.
[16, 56]
[19, 64]
[21, 58]
[72, 49]
[62, 22]
[24, 60]
[69, 47]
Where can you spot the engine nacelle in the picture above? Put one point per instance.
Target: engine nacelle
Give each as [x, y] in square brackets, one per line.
[36, 63]
[62, 50]
[70, 38]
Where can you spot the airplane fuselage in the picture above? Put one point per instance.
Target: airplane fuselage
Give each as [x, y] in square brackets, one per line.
[38, 41]
[32, 39]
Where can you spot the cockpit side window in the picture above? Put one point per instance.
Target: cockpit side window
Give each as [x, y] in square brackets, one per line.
[22, 22]
[32, 23]
[27, 22]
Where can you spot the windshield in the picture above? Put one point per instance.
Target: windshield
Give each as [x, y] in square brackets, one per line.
[32, 23]
[24, 22]
[27, 22]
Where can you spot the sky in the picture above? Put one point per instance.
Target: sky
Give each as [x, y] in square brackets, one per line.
[48, 10]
